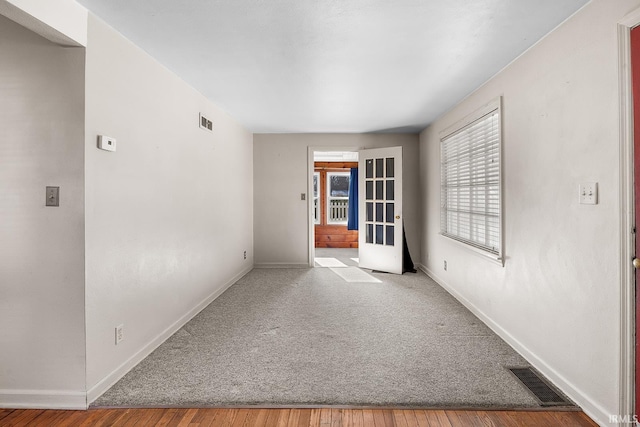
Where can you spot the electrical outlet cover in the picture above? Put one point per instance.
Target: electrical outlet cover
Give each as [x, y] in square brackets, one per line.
[106, 143]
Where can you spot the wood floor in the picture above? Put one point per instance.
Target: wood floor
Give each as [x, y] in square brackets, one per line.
[330, 417]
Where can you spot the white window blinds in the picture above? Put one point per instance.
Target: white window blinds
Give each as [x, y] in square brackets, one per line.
[470, 183]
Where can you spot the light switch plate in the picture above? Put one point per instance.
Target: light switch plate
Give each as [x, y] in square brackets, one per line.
[53, 196]
[106, 143]
[588, 193]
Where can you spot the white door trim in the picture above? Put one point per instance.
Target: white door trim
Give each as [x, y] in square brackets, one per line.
[627, 241]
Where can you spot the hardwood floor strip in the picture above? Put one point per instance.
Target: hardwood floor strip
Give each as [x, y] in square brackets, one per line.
[399, 418]
[336, 417]
[73, 420]
[454, 418]
[367, 417]
[346, 419]
[358, 418]
[388, 417]
[469, 418]
[140, 417]
[112, 417]
[130, 417]
[566, 420]
[48, 417]
[443, 419]
[20, 417]
[295, 417]
[421, 418]
[305, 417]
[224, 418]
[314, 418]
[91, 417]
[272, 418]
[325, 417]
[525, 419]
[504, 417]
[240, 418]
[203, 418]
[186, 419]
[166, 417]
[5, 412]
[378, 419]
[259, 418]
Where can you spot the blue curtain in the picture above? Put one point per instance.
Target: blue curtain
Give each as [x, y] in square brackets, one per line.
[352, 217]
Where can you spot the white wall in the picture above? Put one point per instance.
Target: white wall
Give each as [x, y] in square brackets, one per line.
[280, 176]
[168, 215]
[557, 298]
[42, 356]
[61, 21]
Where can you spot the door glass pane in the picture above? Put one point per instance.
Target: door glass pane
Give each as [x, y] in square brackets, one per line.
[379, 168]
[390, 212]
[369, 237]
[369, 190]
[390, 235]
[390, 167]
[379, 212]
[369, 168]
[379, 234]
[369, 211]
[379, 188]
[390, 189]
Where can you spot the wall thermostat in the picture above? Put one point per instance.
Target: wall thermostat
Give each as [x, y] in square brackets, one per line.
[106, 143]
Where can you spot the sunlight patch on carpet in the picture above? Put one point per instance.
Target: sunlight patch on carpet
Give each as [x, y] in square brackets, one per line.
[355, 275]
[329, 262]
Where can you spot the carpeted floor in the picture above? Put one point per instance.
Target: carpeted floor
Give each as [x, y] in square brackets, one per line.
[307, 336]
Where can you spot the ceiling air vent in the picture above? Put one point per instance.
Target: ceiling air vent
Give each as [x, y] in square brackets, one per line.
[205, 123]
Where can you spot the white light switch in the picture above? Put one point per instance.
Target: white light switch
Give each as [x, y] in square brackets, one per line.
[588, 193]
[106, 143]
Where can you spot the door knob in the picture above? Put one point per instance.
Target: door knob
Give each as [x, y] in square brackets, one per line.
[398, 217]
[636, 263]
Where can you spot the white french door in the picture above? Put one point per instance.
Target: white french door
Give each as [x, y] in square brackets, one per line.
[380, 209]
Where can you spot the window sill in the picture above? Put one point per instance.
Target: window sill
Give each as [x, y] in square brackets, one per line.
[497, 259]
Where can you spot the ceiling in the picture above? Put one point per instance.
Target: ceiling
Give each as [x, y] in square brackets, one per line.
[331, 66]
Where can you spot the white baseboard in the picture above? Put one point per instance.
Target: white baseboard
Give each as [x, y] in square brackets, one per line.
[104, 384]
[599, 414]
[43, 399]
[282, 265]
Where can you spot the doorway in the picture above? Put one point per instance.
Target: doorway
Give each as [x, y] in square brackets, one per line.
[333, 237]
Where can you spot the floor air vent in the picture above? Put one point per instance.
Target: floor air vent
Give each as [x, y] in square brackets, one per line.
[539, 387]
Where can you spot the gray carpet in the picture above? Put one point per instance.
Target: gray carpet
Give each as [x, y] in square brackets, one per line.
[305, 336]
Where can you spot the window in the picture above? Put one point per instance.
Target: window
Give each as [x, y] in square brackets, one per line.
[337, 197]
[316, 197]
[471, 207]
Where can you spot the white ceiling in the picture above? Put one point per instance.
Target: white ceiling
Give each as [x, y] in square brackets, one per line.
[334, 65]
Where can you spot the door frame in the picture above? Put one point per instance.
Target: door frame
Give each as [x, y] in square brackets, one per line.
[310, 168]
[627, 216]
